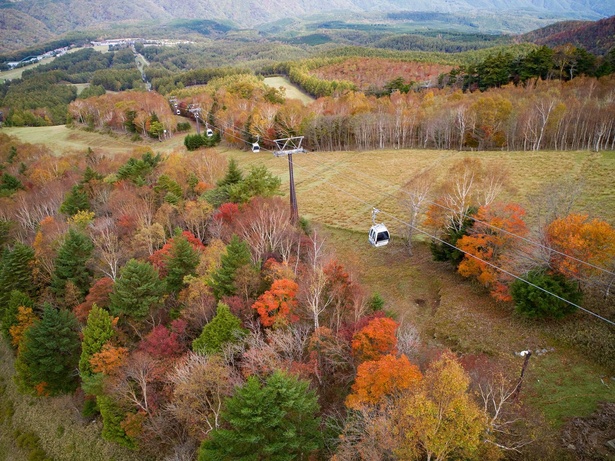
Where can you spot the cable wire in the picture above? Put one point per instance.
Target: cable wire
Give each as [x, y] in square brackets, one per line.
[465, 214]
[494, 266]
[507, 232]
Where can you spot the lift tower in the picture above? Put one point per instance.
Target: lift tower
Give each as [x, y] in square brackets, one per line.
[287, 147]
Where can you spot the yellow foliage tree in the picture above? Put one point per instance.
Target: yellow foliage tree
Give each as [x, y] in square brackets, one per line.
[440, 421]
[25, 319]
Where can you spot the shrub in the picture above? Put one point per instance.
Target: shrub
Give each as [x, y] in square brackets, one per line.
[537, 300]
[183, 126]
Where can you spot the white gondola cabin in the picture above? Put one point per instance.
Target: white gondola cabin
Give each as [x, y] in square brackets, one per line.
[210, 132]
[379, 235]
[256, 147]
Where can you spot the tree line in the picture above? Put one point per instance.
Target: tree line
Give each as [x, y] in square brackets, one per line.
[41, 96]
[562, 63]
[540, 115]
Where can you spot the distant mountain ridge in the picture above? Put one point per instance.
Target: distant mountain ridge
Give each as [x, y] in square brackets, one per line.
[26, 22]
[597, 37]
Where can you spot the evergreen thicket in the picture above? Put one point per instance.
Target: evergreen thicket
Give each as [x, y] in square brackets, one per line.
[49, 354]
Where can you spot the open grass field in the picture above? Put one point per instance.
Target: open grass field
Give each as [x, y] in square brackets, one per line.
[16, 73]
[350, 183]
[292, 91]
[61, 140]
[368, 72]
[337, 190]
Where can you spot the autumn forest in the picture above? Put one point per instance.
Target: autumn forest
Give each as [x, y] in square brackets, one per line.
[164, 293]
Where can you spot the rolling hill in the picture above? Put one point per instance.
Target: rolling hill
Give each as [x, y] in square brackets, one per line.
[595, 36]
[26, 22]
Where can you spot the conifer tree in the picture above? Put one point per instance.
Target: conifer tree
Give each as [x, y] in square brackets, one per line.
[76, 200]
[72, 264]
[98, 330]
[49, 354]
[136, 290]
[237, 255]
[182, 260]
[233, 174]
[15, 273]
[274, 421]
[223, 328]
[221, 194]
[113, 416]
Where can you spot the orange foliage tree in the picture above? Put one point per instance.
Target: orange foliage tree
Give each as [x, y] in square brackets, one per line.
[109, 359]
[375, 339]
[378, 379]
[579, 237]
[491, 243]
[25, 319]
[276, 305]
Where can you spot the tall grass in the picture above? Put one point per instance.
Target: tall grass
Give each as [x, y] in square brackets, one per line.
[32, 425]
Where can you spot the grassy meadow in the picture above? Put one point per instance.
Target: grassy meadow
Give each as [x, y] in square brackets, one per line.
[292, 91]
[17, 73]
[337, 190]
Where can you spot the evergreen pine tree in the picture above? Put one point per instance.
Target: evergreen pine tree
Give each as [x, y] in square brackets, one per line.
[221, 194]
[233, 174]
[223, 328]
[259, 182]
[76, 200]
[5, 233]
[222, 281]
[15, 273]
[276, 422]
[136, 290]
[97, 331]
[182, 260]
[536, 300]
[49, 353]
[71, 264]
[112, 416]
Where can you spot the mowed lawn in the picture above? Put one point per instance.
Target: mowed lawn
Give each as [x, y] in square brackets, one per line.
[292, 91]
[17, 73]
[62, 140]
[337, 190]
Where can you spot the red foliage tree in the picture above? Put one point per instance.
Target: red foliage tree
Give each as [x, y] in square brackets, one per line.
[98, 294]
[162, 343]
[226, 213]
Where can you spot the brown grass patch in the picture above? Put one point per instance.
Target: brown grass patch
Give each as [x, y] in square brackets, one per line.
[366, 72]
[62, 432]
